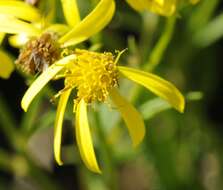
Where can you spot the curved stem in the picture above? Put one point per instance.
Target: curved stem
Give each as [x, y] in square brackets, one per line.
[157, 52]
[109, 169]
[7, 122]
[161, 46]
[155, 56]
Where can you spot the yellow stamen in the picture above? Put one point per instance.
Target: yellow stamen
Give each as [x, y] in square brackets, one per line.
[93, 74]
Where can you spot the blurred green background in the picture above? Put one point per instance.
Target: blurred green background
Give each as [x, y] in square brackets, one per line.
[180, 151]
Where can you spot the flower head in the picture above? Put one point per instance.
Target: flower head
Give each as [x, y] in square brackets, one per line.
[95, 76]
[41, 39]
[38, 54]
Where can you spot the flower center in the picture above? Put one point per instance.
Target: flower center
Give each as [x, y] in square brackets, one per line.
[38, 54]
[93, 74]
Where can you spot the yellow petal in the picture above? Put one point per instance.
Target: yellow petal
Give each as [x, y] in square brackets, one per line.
[157, 85]
[71, 12]
[50, 11]
[60, 29]
[20, 10]
[18, 40]
[91, 24]
[162, 7]
[11, 25]
[131, 116]
[137, 5]
[43, 79]
[83, 136]
[6, 65]
[58, 125]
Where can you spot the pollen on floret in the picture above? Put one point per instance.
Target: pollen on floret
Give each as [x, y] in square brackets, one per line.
[38, 54]
[93, 75]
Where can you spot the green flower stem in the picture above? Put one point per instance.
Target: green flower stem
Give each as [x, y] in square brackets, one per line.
[157, 52]
[161, 46]
[29, 118]
[155, 56]
[4, 161]
[109, 169]
[7, 122]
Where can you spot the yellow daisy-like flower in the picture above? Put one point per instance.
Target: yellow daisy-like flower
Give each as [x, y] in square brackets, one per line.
[6, 63]
[95, 76]
[162, 7]
[43, 41]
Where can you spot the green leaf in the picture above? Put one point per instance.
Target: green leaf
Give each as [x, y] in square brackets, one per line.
[210, 33]
[152, 107]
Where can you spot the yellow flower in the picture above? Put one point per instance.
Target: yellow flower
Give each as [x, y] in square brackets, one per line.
[162, 7]
[95, 76]
[11, 13]
[6, 63]
[39, 36]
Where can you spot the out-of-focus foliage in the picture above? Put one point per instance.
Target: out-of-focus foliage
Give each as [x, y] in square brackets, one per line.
[180, 151]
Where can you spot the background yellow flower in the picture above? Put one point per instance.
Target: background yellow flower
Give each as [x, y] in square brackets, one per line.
[162, 7]
[6, 63]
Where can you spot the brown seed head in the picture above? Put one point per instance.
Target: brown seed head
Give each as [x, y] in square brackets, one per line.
[38, 54]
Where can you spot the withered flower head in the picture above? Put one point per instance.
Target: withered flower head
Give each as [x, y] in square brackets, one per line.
[38, 54]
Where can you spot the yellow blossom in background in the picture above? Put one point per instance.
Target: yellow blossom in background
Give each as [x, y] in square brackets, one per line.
[162, 7]
[38, 36]
[76, 30]
[6, 63]
[96, 76]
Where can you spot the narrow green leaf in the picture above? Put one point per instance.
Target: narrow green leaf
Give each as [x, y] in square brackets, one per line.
[210, 33]
[152, 107]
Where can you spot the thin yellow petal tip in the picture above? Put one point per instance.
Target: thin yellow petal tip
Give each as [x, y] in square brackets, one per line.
[59, 124]
[23, 106]
[137, 143]
[84, 140]
[182, 105]
[59, 162]
[99, 171]
[157, 85]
